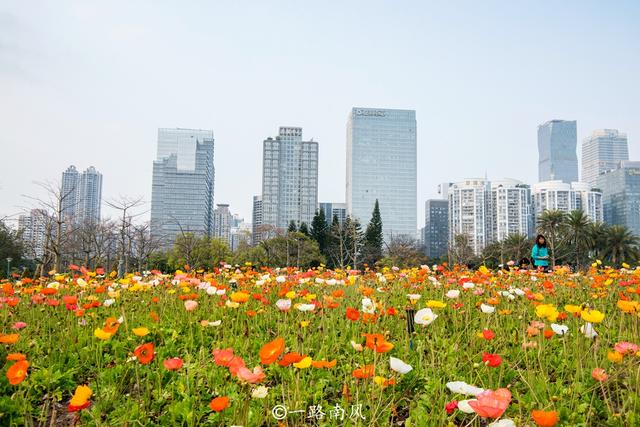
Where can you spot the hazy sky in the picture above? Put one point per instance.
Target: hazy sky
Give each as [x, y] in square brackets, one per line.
[89, 83]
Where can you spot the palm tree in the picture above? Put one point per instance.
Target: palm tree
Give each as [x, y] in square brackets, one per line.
[516, 246]
[598, 232]
[621, 245]
[577, 234]
[551, 224]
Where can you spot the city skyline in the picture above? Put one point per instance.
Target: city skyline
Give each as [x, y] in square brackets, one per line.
[110, 87]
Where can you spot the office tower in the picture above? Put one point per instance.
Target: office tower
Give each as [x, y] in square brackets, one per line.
[289, 179]
[256, 224]
[557, 151]
[34, 229]
[510, 209]
[222, 222]
[89, 196]
[81, 195]
[381, 165]
[621, 195]
[183, 184]
[436, 228]
[330, 210]
[240, 234]
[469, 212]
[602, 151]
[70, 190]
[562, 196]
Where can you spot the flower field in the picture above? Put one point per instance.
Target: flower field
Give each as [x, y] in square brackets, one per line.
[251, 347]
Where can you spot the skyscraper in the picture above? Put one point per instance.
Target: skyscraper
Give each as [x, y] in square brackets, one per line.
[436, 227]
[601, 152]
[469, 212]
[90, 196]
[34, 229]
[510, 207]
[70, 189]
[381, 164]
[256, 221]
[81, 195]
[183, 184]
[557, 160]
[222, 222]
[621, 195]
[558, 195]
[289, 179]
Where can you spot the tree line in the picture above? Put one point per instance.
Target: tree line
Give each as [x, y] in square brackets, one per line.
[572, 238]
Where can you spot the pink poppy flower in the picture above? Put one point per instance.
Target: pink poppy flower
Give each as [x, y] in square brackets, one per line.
[190, 305]
[19, 325]
[173, 364]
[223, 357]
[490, 403]
[252, 377]
[235, 364]
[624, 347]
[599, 374]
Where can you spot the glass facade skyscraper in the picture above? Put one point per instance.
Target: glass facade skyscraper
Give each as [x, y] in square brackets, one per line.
[621, 195]
[289, 179]
[382, 165]
[601, 152]
[436, 228]
[183, 184]
[557, 140]
[334, 209]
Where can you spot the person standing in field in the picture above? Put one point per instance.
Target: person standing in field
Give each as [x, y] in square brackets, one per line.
[540, 254]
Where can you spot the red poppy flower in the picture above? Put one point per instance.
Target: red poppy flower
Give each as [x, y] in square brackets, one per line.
[219, 403]
[488, 334]
[353, 314]
[172, 364]
[290, 358]
[492, 360]
[366, 371]
[144, 353]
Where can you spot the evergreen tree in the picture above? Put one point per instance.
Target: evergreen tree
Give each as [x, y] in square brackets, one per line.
[304, 229]
[320, 230]
[373, 239]
[292, 227]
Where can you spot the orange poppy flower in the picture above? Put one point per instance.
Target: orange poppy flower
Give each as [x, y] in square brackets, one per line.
[377, 343]
[290, 358]
[548, 333]
[16, 357]
[364, 372]
[545, 418]
[17, 372]
[70, 299]
[353, 314]
[319, 364]
[144, 353]
[338, 294]
[80, 399]
[49, 291]
[154, 316]
[270, 352]
[219, 403]
[111, 325]
[9, 338]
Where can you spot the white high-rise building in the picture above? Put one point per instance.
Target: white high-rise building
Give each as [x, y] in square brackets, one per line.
[510, 207]
[382, 165]
[34, 229]
[602, 151]
[256, 225]
[289, 179]
[222, 222]
[558, 195]
[81, 195]
[469, 212]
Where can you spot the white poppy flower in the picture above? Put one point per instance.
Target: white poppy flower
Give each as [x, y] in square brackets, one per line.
[283, 304]
[487, 308]
[368, 306]
[211, 290]
[108, 302]
[588, 331]
[281, 279]
[414, 296]
[425, 316]
[259, 392]
[505, 422]
[460, 387]
[468, 285]
[453, 293]
[399, 366]
[356, 346]
[306, 307]
[464, 406]
[559, 329]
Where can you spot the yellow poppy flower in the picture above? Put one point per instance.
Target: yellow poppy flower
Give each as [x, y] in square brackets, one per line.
[592, 316]
[140, 332]
[436, 304]
[100, 334]
[304, 363]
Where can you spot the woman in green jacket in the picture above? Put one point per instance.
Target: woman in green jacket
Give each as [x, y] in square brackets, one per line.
[540, 254]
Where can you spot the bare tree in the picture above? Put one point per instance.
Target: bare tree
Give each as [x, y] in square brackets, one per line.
[125, 205]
